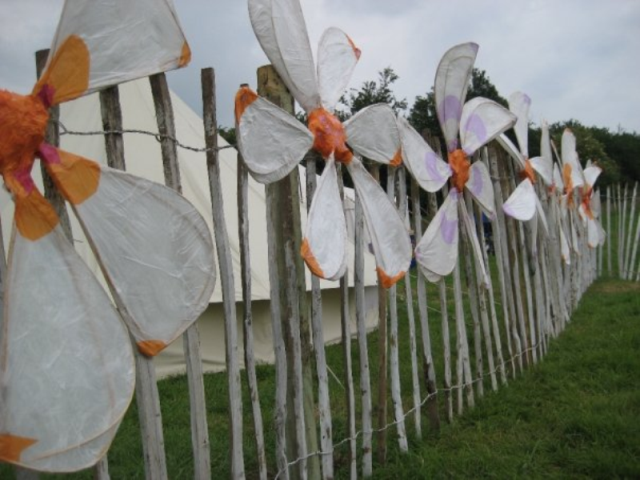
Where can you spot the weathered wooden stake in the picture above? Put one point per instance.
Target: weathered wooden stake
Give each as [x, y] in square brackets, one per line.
[394, 366]
[324, 405]
[226, 268]
[413, 350]
[363, 349]
[245, 273]
[427, 354]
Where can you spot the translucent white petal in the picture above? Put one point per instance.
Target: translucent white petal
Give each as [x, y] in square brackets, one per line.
[280, 28]
[337, 57]
[272, 141]
[451, 83]
[437, 250]
[429, 170]
[480, 188]
[519, 104]
[511, 149]
[390, 238]
[325, 238]
[125, 40]
[521, 204]
[373, 133]
[482, 121]
[154, 247]
[66, 363]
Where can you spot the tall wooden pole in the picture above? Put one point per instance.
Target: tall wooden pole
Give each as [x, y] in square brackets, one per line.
[294, 312]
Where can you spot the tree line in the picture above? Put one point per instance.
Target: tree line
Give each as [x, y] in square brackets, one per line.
[617, 153]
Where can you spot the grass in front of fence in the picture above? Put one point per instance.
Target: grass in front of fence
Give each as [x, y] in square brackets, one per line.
[576, 415]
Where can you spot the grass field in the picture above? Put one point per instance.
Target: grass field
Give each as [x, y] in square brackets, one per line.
[575, 415]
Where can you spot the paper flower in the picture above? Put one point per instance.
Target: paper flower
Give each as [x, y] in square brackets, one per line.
[575, 177]
[524, 204]
[66, 361]
[273, 142]
[477, 122]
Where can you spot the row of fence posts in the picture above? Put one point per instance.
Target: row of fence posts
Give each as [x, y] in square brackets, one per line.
[622, 201]
[532, 304]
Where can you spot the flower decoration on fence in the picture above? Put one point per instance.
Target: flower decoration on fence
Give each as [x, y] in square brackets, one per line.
[273, 142]
[66, 361]
[556, 193]
[524, 204]
[576, 178]
[477, 122]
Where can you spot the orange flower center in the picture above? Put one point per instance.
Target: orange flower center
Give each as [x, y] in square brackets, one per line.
[528, 172]
[568, 183]
[23, 120]
[329, 136]
[586, 201]
[460, 165]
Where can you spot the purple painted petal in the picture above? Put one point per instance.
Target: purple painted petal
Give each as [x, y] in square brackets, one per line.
[478, 184]
[431, 162]
[476, 126]
[450, 108]
[448, 229]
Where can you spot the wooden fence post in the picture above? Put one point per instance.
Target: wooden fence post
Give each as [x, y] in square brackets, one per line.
[415, 382]
[627, 260]
[363, 349]
[324, 405]
[285, 221]
[609, 233]
[504, 270]
[394, 367]
[429, 370]
[245, 272]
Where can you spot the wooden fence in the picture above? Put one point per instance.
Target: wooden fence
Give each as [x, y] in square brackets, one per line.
[488, 334]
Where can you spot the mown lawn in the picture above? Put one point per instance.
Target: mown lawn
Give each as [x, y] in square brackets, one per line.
[575, 415]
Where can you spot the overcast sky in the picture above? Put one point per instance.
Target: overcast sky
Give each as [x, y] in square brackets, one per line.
[574, 58]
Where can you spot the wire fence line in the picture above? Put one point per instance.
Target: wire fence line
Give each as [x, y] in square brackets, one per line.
[159, 137]
[423, 401]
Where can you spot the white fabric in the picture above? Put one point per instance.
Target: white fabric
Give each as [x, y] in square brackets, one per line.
[480, 187]
[390, 238]
[373, 133]
[429, 170]
[336, 61]
[482, 121]
[66, 363]
[146, 31]
[521, 204]
[326, 230]
[543, 168]
[156, 249]
[519, 104]
[272, 141]
[437, 250]
[451, 83]
[280, 28]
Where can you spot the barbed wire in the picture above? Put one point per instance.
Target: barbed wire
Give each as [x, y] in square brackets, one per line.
[159, 137]
[501, 366]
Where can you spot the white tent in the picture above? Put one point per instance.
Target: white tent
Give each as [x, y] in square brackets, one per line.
[143, 158]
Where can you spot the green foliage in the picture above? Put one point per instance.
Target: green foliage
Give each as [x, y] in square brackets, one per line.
[373, 92]
[229, 134]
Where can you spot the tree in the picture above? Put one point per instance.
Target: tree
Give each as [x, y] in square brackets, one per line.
[373, 92]
[228, 133]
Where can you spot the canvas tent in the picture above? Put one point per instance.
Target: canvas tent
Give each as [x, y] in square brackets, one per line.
[143, 158]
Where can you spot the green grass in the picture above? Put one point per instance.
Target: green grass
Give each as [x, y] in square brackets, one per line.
[575, 415]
